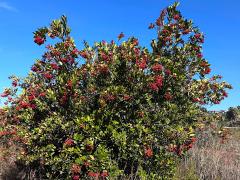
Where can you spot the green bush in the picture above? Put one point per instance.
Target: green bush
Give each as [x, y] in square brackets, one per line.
[127, 111]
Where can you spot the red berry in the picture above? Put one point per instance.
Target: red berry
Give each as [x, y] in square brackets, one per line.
[159, 81]
[68, 142]
[168, 96]
[14, 83]
[120, 36]
[93, 174]
[48, 76]
[39, 40]
[193, 139]
[75, 168]
[76, 177]
[54, 66]
[199, 55]
[126, 97]
[104, 174]
[143, 65]
[151, 26]
[176, 17]
[157, 67]
[168, 72]
[207, 70]
[186, 31]
[197, 36]
[148, 152]
[153, 86]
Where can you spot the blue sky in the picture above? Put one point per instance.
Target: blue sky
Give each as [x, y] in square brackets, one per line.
[94, 20]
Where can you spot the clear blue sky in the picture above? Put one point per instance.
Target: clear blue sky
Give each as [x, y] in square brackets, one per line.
[94, 20]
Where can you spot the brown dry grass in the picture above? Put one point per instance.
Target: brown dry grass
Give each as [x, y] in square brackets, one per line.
[212, 159]
[8, 168]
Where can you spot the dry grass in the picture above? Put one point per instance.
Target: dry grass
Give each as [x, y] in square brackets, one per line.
[212, 159]
[8, 168]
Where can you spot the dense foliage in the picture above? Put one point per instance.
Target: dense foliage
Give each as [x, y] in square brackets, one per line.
[125, 111]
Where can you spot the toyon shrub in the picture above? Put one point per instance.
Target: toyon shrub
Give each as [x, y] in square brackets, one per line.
[112, 110]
